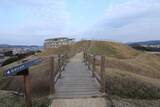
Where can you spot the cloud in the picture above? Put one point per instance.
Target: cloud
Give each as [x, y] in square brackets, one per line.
[131, 20]
[40, 18]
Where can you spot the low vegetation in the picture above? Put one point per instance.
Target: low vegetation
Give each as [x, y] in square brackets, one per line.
[13, 58]
[8, 99]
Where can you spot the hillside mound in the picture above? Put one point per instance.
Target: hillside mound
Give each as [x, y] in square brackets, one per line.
[129, 73]
[113, 49]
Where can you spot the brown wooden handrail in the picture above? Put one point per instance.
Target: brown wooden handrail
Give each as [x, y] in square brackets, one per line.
[91, 61]
[57, 66]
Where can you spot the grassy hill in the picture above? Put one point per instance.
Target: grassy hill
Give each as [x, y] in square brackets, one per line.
[129, 73]
[111, 49]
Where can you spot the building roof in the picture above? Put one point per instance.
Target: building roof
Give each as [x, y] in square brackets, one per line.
[55, 39]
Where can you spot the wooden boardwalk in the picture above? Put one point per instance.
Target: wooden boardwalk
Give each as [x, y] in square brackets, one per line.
[76, 87]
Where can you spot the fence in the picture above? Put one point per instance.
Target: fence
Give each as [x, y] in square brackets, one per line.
[93, 62]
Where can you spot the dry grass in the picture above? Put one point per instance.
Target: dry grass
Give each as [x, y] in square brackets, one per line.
[130, 85]
[122, 102]
[129, 73]
[111, 49]
[8, 99]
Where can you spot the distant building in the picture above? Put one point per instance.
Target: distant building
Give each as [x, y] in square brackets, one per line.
[3, 50]
[24, 50]
[57, 42]
[18, 51]
[152, 46]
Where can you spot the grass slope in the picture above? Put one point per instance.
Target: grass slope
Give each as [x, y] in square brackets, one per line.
[129, 73]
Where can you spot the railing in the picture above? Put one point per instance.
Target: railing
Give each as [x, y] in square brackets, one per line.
[57, 65]
[93, 62]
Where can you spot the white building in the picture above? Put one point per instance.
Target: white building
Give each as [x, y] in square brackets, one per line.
[152, 46]
[57, 42]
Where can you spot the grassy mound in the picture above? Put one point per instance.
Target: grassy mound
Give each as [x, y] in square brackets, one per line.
[111, 49]
[129, 73]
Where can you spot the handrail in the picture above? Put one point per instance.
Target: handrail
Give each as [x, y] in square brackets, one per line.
[91, 61]
[57, 66]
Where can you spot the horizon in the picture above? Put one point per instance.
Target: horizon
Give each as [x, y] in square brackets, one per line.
[30, 22]
[80, 40]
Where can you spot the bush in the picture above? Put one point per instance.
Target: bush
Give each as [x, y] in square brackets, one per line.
[10, 60]
[8, 53]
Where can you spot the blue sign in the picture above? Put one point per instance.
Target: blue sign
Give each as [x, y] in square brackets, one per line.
[19, 68]
[1, 57]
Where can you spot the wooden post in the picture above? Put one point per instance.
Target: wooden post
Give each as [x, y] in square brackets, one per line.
[27, 89]
[93, 66]
[52, 82]
[103, 74]
[65, 58]
[89, 63]
[84, 57]
[63, 62]
[59, 65]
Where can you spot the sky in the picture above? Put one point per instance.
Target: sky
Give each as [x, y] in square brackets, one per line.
[30, 22]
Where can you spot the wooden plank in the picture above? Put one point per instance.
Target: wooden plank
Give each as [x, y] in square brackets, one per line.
[76, 81]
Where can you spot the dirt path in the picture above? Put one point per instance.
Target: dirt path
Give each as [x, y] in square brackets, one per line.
[85, 102]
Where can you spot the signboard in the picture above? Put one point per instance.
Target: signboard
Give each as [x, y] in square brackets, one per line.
[1, 57]
[14, 70]
[1, 63]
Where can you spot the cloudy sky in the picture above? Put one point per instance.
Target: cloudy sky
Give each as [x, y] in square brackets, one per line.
[32, 21]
